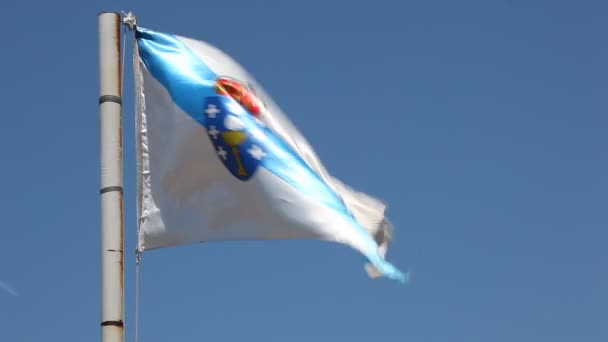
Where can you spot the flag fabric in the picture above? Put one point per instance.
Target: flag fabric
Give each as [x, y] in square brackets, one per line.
[218, 160]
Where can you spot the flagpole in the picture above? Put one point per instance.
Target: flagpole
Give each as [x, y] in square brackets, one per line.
[110, 140]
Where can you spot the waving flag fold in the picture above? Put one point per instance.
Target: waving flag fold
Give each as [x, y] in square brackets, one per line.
[218, 160]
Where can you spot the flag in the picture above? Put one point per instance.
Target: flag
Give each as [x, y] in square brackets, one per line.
[218, 160]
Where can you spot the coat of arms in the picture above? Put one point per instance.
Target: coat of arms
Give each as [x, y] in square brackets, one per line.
[231, 119]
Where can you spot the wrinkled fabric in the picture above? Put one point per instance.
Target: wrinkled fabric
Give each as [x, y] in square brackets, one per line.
[218, 160]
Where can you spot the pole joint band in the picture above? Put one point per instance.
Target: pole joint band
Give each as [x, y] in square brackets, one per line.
[110, 189]
[110, 98]
[112, 323]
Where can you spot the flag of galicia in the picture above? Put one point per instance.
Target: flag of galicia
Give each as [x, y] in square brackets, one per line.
[218, 160]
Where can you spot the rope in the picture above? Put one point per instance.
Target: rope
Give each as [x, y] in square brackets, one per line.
[137, 260]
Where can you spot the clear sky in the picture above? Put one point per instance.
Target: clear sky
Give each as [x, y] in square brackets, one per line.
[482, 123]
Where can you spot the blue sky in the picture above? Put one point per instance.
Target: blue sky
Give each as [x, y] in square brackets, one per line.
[482, 123]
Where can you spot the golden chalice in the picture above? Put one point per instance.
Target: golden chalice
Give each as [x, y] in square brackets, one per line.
[234, 139]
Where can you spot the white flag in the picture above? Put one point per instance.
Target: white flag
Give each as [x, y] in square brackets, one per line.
[218, 160]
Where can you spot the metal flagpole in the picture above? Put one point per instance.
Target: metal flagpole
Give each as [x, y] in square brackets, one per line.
[110, 140]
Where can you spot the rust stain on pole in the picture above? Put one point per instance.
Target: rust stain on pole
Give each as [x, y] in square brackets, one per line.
[116, 37]
[122, 237]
